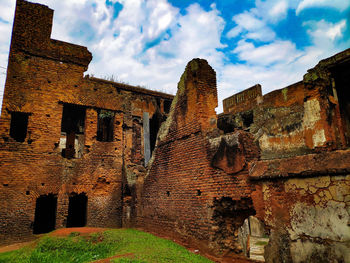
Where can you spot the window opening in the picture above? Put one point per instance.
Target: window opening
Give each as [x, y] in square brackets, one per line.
[167, 105]
[342, 84]
[154, 124]
[72, 128]
[18, 127]
[45, 214]
[77, 209]
[248, 118]
[105, 126]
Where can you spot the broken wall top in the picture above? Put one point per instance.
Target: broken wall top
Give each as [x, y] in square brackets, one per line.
[305, 117]
[243, 100]
[320, 75]
[31, 34]
[126, 87]
[193, 108]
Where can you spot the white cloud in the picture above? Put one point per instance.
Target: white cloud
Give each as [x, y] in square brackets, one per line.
[234, 32]
[324, 36]
[255, 23]
[275, 52]
[325, 31]
[248, 21]
[151, 42]
[337, 4]
[6, 21]
[279, 10]
[251, 26]
[272, 11]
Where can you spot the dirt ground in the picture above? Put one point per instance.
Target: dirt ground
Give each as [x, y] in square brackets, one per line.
[89, 230]
[84, 231]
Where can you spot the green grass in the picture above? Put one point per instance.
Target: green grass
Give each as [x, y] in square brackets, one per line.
[75, 248]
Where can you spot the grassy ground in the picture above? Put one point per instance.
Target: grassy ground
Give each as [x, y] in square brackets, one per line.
[133, 246]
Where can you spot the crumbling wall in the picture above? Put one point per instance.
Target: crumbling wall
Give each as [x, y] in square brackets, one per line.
[282, 157]
[193, 169]
[306, 117]
[289, 122]
[304, 200]
[45, 77]
[302, 180]
[308, 219]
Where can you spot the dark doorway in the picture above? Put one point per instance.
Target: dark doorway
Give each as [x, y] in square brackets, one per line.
[228, 217]
[45, 214]
[77, 210]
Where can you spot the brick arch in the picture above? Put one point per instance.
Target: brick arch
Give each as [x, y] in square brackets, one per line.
[78, 189]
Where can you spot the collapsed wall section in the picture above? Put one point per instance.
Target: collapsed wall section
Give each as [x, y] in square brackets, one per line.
[302, 180]
[309, 116]
[197, 172]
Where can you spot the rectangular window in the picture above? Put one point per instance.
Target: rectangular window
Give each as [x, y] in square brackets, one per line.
[19, 124]
[72, 130]
[167, 105]
[105, 126]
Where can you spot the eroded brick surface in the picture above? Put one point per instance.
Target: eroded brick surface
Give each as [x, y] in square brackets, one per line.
[182, 193]
[277, 162]
[43, 77]
[282, 157]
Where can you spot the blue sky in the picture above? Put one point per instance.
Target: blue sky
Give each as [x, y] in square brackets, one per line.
[149, 42]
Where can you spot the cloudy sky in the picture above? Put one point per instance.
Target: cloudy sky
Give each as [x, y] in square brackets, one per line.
[149, 42]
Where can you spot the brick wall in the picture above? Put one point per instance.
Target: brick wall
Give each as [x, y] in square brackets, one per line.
[299, 119]
[178, 195]
[204, 183]
[43, 77]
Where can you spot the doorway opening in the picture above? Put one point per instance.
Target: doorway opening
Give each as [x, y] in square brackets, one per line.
[77, 209]
[229, 216]
[45, 214]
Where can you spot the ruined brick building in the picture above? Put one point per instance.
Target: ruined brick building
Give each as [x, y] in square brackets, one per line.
[78, 151]
[67, 141]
